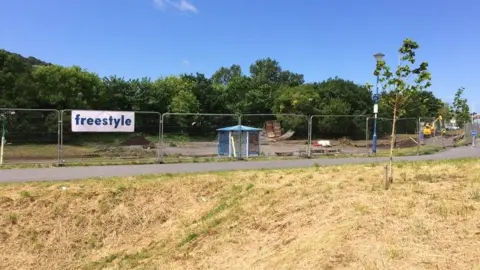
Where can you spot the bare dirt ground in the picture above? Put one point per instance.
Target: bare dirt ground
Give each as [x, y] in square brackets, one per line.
[336, 217]
[299, 146]
[211, 148]
[50, 153]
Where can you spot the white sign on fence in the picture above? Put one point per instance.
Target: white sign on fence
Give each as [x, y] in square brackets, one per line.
[103, 121]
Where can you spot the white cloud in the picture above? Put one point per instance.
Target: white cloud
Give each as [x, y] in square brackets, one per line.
[159, 3]
[185, 62]
[186, 6]
[182, 5]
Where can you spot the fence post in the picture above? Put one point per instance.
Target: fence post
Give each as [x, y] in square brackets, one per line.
[61, 161]
[419, 128]
[309, 140]
[59, 137]
[162, 143]
[160, 130]
[239, 157]
[366, 135]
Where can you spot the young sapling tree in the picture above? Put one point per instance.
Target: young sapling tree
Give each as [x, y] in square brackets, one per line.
[399, 87]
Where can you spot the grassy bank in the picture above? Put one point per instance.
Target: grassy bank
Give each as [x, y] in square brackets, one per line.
[313, 218]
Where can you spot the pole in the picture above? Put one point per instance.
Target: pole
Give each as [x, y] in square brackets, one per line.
[366, 135]
[162, 142]
[309, 140]
[419, 136]
[3, 139]
[474, 135]
[159, 145]
[61, 138]
[240, 134]
[473, 113]
[375, 111]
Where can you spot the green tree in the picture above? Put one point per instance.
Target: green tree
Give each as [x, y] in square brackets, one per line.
[299, 100]
[334, 99]
[268, 71]
[422, 104]
[358, 96]
[266, 79]
[207, 96]
[17, 88]
[183, 101]
[445, 112]
[400, 87]
[233, 90]
[224, 75]
[67, 87]
[117, 94]
[460, 109]
[343, 97]
[230, 89]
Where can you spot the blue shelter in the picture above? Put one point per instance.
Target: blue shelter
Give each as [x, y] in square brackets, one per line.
[239, 139]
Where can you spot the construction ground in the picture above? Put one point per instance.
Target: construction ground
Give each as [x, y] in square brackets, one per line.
[273, 142]
[276, 142]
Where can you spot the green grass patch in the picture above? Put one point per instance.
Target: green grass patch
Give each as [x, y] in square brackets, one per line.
[103, 263]
[227, 206]
[188, 239]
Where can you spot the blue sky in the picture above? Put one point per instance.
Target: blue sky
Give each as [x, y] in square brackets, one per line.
[321, 39]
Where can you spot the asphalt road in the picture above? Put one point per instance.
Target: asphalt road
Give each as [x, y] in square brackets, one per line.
[74, 173]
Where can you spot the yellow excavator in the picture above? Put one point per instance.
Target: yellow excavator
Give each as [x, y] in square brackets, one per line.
[429, 128]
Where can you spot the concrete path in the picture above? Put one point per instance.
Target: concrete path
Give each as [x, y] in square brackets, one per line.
[73, 173]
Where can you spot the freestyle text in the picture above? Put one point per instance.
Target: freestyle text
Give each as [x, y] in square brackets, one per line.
[110, 121]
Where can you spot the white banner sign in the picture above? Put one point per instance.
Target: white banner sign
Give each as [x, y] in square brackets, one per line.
[103, 121]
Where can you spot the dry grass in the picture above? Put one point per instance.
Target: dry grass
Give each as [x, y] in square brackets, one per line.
[313, 218]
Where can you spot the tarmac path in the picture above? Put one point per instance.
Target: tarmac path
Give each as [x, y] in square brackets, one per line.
[75, 173]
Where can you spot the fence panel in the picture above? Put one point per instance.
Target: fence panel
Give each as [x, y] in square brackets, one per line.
[384, 131]
[194, 136]
[469, 127]
[454, 134]
[31, 136]
[140, 146]
[280, 134]
[406, 131]
[434, 133]
[408, 135]
[335, 134]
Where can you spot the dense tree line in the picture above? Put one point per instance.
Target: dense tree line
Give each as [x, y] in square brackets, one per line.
[266, 88]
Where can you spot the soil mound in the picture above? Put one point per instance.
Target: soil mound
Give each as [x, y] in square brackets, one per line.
[399, 144]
